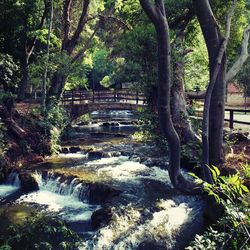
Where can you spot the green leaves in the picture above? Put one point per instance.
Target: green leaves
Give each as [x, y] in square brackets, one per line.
[230, 192]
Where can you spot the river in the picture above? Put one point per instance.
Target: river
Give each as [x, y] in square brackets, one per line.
[102, 170]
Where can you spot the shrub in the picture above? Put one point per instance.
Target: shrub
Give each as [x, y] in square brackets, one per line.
[40, 232]
[233, 228]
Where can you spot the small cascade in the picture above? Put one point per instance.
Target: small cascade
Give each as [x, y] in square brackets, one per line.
[13, 179]
[63, 186]
[66, 197]
[11, 185]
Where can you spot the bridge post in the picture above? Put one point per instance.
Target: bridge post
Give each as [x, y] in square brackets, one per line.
[72, 97]
[114, 96]
[231, 119]
[93, 97]
[137, 97]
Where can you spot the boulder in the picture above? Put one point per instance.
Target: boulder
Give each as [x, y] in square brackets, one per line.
[95, 155]
[28, 182]
[74, 150]
[100, 193]
[150, 245]
[65, 150]
[101, 217]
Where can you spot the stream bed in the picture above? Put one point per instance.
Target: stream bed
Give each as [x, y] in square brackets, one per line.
[114, 192]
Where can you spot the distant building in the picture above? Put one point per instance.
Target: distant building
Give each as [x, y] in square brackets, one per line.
[235, 96]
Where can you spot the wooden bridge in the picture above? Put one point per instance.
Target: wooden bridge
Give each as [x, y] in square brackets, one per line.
[80, 102]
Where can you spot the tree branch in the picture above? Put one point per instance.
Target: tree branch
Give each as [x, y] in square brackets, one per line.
[30, 45]
[66, 21]
[207, 103]
[150, 10]
[87, 44]
[82, 21]
[233, 71]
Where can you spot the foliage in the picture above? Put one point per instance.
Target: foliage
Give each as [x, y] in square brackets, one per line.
[54, 121]
[57, 120]
[244, 78]
[3, 143]
[40, 232]
[233, 227]
[192, 151]
[8, 73]
[196, 65]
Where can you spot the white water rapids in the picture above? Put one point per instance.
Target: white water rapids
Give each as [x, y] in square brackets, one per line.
[148, 209]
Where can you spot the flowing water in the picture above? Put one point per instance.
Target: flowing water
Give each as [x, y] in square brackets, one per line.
[145, 211]
[10, 186]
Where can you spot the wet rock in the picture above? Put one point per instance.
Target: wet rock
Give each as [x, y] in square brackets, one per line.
[110, 124]
[115, 154]
[65, 150]
[120, 135]
[150, 245]
[74, 150]
[83, 123]
[100, 193]
[95, 155]
[28, 182]
[101, 217]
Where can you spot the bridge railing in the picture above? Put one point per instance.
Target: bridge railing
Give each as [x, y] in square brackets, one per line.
[231, 117]
[72, 97]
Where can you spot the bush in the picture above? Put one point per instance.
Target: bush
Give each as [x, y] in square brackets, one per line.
[232, 230]
[40, 232]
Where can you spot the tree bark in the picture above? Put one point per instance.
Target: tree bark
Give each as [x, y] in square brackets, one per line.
[213, 39]
[24, 80]
[44, 86]
[158, 16]
[57, 85]
[68, 45]
[178, 102]
[213, 115]
[27, 52]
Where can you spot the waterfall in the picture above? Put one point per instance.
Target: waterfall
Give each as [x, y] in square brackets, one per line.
[66, 196]
[13, 179]
[63, 186]
[11, 185]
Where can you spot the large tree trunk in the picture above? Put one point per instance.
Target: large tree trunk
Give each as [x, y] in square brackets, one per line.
[213, 39]
[24, 80]
[158, 16]
[216, 117]
[57, 86]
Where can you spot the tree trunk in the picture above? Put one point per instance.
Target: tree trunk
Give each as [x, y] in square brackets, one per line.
[216, 117]
[44, 86]
[57, 85]
[24, 81]
[213, 39]
[158, 16]
[180, 115]
[178, 101]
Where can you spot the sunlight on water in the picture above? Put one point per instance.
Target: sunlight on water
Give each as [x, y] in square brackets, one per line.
[6, 190]
[11, 185]
[68, 200]
[128, 230]
[68, 207]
